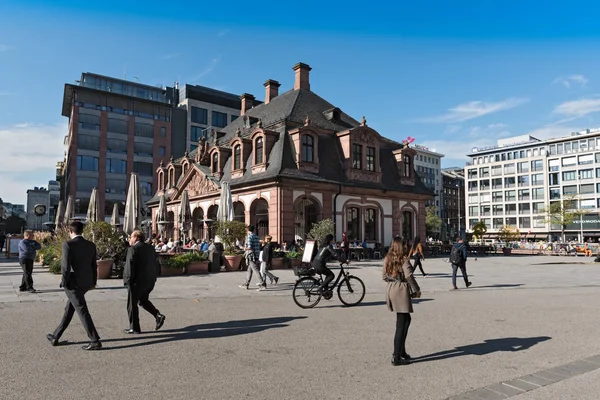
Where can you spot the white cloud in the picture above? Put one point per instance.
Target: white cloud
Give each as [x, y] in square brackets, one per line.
[210, 68]
[573, 79]
[4, 47]
[474, 109]
[577, 108]
[29, 153]
[224, 32]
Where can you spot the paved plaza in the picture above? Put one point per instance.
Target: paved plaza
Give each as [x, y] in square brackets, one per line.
[527, 329]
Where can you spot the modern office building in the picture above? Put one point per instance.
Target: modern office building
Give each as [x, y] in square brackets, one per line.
[8, 210]
[117, 127]
[453, 205]
[513, 182]
[428, 165]
[207, 109]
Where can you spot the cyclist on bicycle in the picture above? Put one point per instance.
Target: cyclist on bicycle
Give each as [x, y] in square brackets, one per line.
[319, 263]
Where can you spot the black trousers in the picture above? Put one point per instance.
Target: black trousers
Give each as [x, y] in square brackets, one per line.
[329, 276]
[27, 280]
[76, 303]
[139, 295]
[418, 264]
[402, 325]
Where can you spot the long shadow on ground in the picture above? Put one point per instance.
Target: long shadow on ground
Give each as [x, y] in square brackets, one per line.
[371, 303]
[203, 331]
[511, 344]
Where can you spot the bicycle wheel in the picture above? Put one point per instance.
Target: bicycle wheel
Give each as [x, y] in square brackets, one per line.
[305, 292]
[351, 291]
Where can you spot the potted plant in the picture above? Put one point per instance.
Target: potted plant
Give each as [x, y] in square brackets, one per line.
[229, 232]
[173, 265]
[51, 251]
[109, 245]
[197, 263]
[508, 234]
[294, 258]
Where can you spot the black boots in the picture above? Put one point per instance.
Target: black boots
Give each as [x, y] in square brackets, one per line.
[397, 360]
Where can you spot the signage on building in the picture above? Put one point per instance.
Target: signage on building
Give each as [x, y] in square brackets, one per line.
[478, 149]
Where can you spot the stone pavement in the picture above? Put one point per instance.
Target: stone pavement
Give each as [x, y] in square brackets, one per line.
[526, 329]
[492, 272]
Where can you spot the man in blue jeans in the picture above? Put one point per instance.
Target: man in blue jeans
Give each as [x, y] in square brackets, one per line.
[27, 252]
[458, 258]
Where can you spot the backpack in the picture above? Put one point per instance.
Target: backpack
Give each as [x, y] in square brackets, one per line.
[456, 254]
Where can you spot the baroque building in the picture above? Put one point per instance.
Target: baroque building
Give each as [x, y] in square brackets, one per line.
[292, 161]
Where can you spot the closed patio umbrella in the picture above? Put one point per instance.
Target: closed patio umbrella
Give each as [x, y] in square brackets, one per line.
[115, 219]
[185, 214]
[161, 216]
[133, 206]
[92, 211]
[225, 211]
[60, 215]
[69, 211]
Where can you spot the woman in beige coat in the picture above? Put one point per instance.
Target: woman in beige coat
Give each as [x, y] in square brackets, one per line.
[401, 287]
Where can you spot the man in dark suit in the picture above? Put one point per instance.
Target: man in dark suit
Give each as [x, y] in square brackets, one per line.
[139, 277]
[79, 274]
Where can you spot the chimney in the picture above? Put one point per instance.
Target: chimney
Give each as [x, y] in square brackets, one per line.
[247, 102]
[272, 90]
[302, 81]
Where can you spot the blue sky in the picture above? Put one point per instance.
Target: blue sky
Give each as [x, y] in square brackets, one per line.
[453, 74]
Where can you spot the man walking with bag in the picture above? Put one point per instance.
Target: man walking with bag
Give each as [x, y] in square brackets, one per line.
[139, 277]
[458, 258]
[79, 274]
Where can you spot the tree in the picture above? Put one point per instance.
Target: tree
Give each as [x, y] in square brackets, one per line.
[320, 230]
[229, 232]
[479, 229]
[562, 213]
[509, 234]
[433, 222]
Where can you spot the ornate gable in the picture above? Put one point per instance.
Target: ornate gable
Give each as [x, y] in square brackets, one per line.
[197, 183]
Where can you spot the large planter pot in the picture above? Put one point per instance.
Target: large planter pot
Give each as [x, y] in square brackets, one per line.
[200, 267]
[164, 271]
[232, 263]
[296, 262]
[507, 251]
[277, 263]
[104, 267]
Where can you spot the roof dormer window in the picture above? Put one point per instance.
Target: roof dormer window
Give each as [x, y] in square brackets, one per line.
[237, 157]
[258, 151]
[215, 162]
[308, 148]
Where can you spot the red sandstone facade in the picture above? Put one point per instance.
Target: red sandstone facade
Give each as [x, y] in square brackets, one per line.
[293, 161]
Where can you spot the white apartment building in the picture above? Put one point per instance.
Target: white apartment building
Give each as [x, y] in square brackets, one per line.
[513, 182]
[428, 165]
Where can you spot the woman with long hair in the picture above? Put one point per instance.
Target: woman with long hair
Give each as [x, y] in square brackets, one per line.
[401, 287]
[319, 263]
[417, 251]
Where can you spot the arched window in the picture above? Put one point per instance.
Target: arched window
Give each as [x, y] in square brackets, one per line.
[353, 223]
[371, 223]
[239, 211]
[407, 225]
[308, 148]
[215, 162]
[407, 166]
[258, 151]
[259, 217]
[161, 180]
[237, 156]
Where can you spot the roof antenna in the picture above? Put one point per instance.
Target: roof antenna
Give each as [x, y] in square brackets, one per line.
[125, 78]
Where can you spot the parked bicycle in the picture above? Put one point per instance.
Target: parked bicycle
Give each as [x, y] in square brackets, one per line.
[350, 289]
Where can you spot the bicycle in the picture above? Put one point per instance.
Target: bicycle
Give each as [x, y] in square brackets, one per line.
[350, 289]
